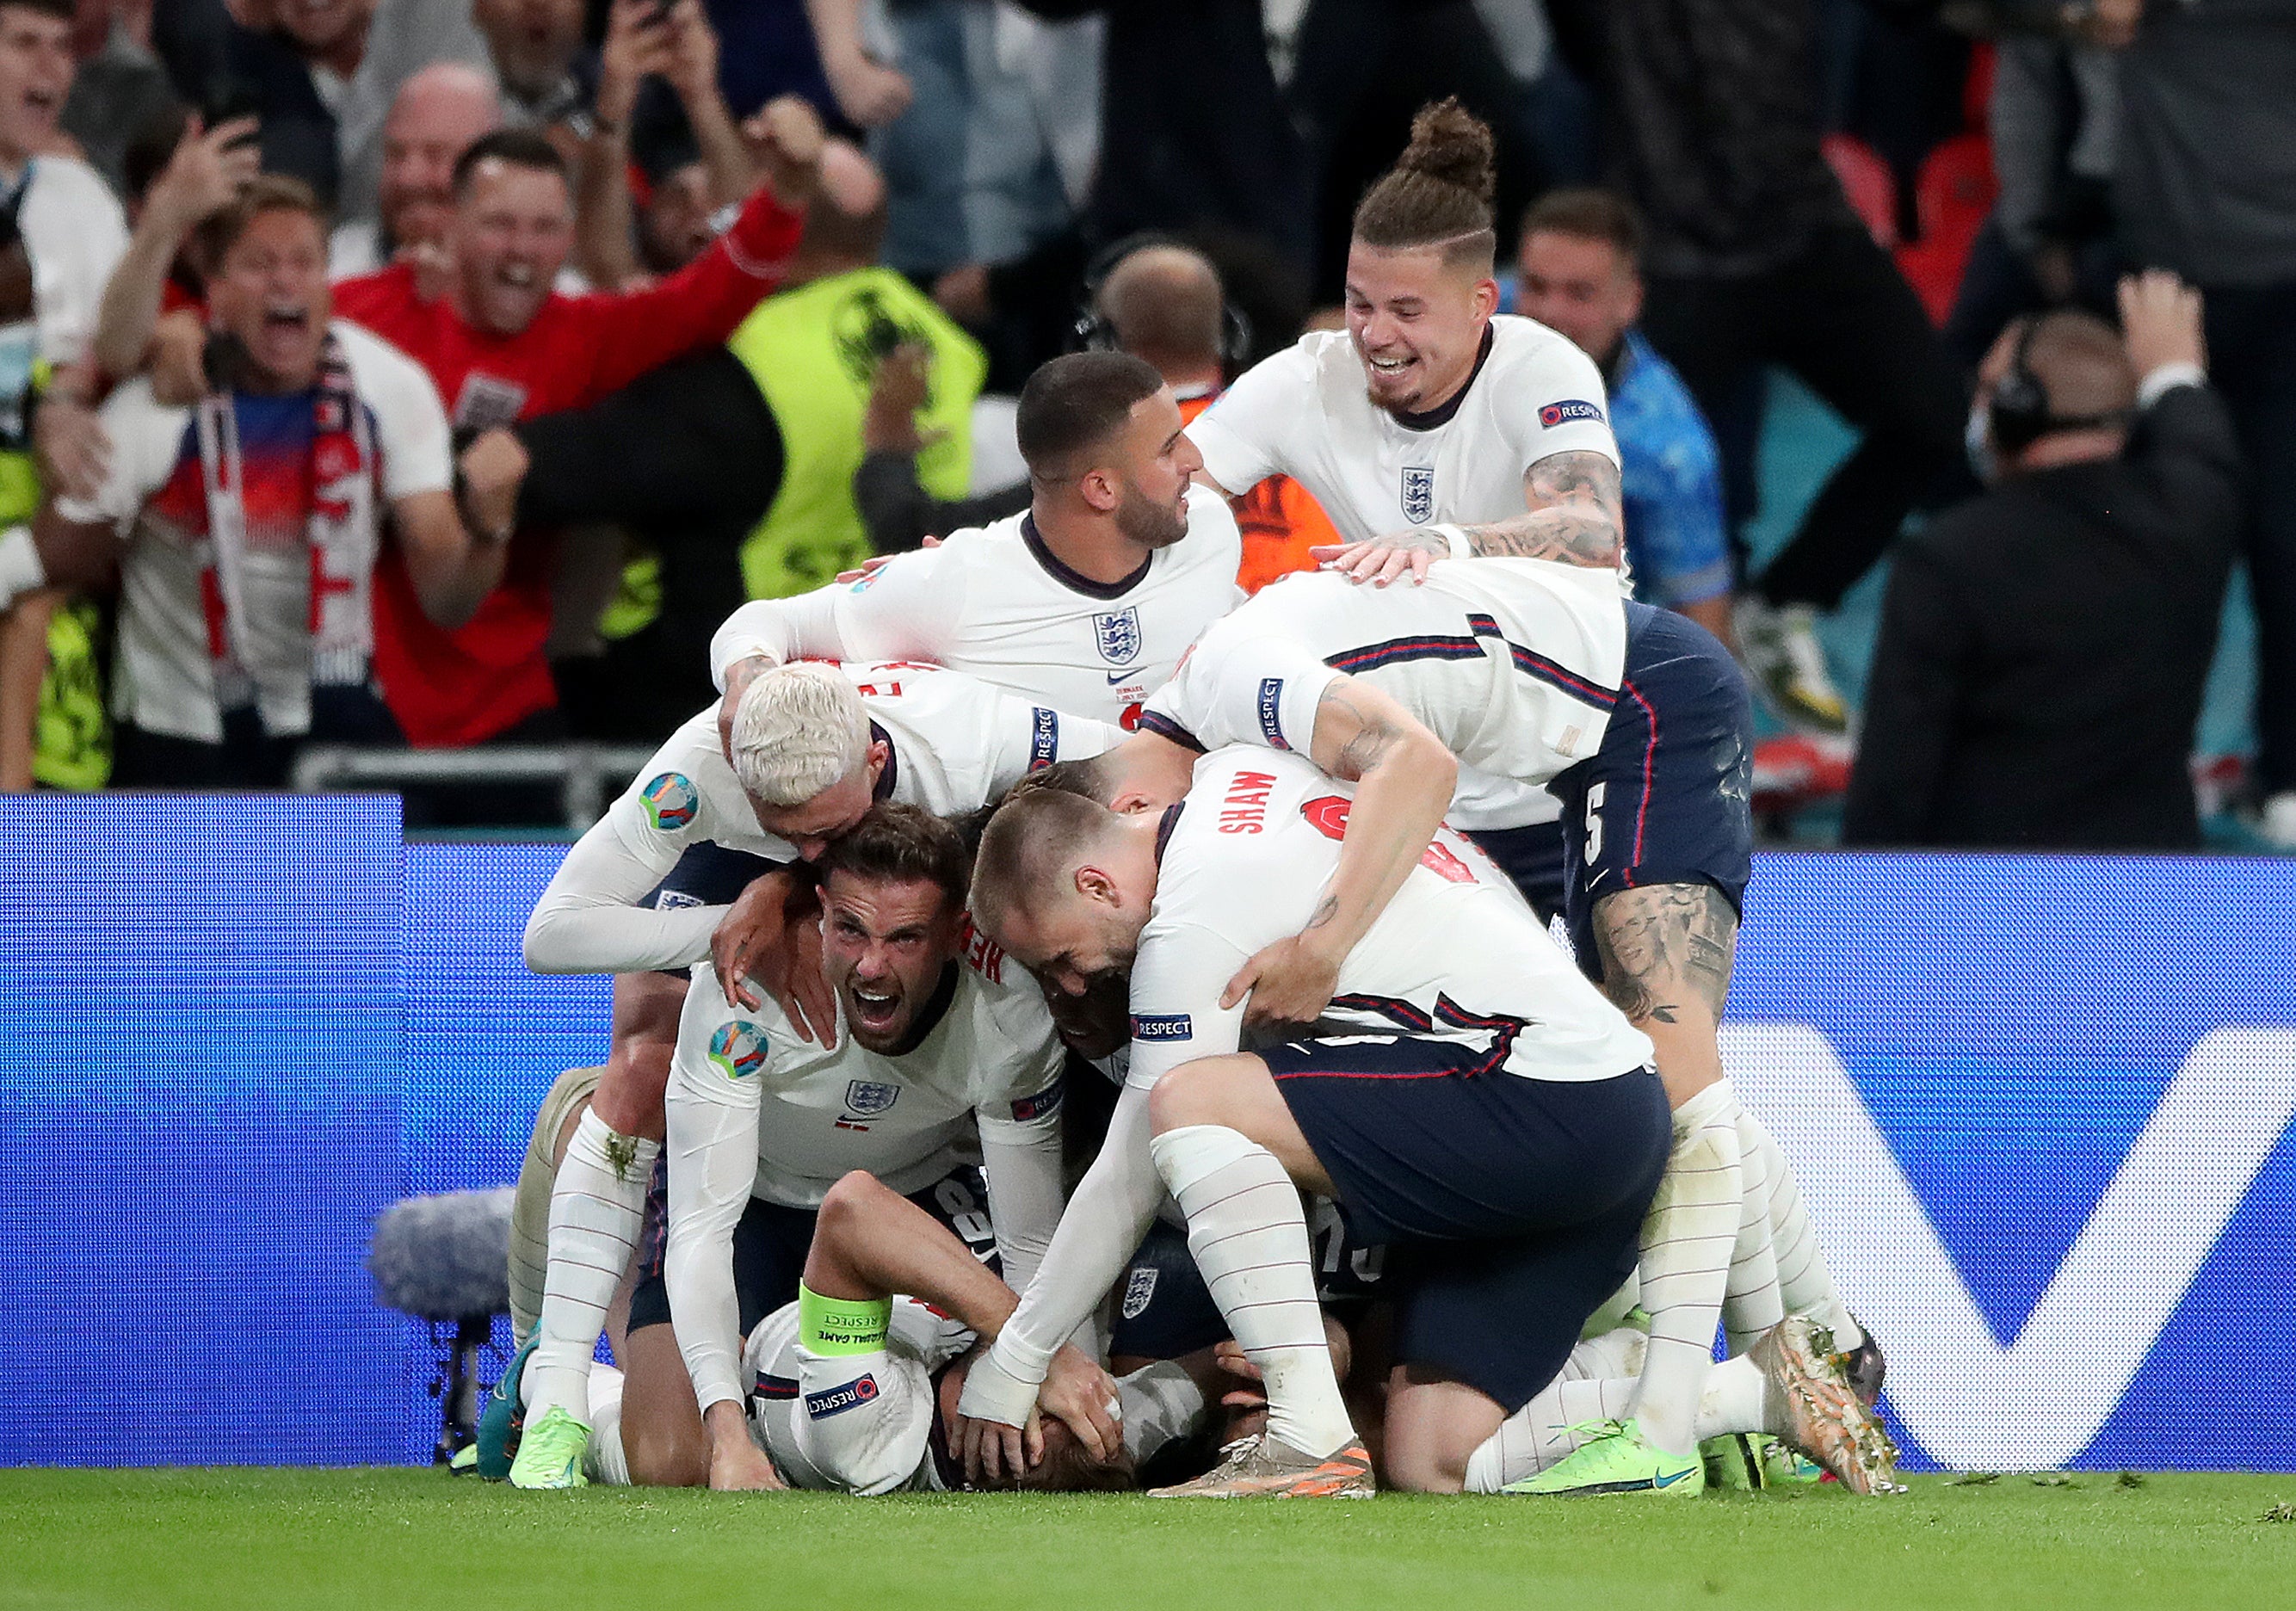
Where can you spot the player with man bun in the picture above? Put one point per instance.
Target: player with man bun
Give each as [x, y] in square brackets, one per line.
[1435, 428]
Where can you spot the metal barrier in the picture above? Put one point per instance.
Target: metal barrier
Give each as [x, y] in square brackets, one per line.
[584, 771]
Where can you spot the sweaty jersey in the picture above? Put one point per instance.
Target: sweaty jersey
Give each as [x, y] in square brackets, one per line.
[996, 602]
[956, 746]
[1513, 663]
[755, 1111]
[1304, 413]
[1456, 955]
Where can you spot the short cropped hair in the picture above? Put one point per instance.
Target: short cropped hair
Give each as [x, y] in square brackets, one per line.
[798, 729]
[1029, 843]
[897, 844]
[63, 11]
[265, 194]
[1588, 215]
[1439, 192]
[516, 147]
[1075, 404]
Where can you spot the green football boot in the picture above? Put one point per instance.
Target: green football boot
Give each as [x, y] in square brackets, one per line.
[1618, 1460]
[504, 1419]
[1751, 1462]
[550, 1454]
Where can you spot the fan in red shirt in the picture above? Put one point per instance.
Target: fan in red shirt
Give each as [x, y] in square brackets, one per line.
[503, 346]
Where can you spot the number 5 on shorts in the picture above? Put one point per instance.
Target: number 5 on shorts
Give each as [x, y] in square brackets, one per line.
[1595, 822]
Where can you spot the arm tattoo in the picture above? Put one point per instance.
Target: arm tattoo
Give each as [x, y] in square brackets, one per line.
[1374, 736]
[1666, 947]
[1575, 515]
[1325, 910]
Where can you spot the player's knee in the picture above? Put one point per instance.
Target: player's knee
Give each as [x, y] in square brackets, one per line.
[629, 1096]
[848, 1204]
[1193, 1093]
[1420, 1466]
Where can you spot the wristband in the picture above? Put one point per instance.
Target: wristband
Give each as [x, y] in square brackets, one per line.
[993, 1393]
[1461, 544]
[831, 1326]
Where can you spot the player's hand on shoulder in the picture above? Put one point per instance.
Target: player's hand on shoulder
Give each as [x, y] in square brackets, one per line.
[871, 566]
[1289, 983]
[1082, 1396]
[1383, 560]
[771, 936]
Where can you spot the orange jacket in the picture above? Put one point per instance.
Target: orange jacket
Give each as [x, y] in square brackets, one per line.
[1279, 518]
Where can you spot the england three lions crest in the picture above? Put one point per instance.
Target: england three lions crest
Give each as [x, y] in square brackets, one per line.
[866, 1098]
[1119, 636]
[1418, 493]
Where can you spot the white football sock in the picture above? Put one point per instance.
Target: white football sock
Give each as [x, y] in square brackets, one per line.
[1161, 1402]
[1548, 1428]
[1250, 1241]
[1688, 1240]
[1543, 1432]
[603, 1460]
[1753, 1303]
[595, 1210]
[1737, 1399]
[1804, 1281]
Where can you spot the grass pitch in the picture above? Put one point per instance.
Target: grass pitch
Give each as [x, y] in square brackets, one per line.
[312, 1540]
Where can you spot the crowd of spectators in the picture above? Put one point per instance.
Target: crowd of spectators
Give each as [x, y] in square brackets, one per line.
[437, 373]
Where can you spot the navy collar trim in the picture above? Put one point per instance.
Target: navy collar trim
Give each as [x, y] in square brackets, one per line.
[1434, 419]
[1075, 581]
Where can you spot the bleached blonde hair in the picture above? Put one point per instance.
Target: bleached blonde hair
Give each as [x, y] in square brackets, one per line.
[798, 729]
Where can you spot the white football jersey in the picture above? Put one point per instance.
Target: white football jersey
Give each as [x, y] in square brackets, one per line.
[830, 1428]
[955, 743]
[1456, 955]
[1513, 663]
[814, 1112]
[995, 603]
[956, 746]
[1304, 413]
[753, 1111]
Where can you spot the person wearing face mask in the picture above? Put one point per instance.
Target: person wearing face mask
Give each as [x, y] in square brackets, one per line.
[245, 532]
[503, 346]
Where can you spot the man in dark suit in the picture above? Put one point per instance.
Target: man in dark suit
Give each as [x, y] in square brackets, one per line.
[2043, 647]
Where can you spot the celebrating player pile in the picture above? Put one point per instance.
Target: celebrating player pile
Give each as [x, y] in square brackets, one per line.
[1332, 987]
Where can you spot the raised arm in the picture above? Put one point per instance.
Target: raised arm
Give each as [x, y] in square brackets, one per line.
[206, 172]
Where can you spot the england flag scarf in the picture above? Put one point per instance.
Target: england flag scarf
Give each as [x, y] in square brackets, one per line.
[342, 535]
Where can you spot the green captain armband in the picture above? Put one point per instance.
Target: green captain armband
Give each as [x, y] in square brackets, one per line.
[839, 1325]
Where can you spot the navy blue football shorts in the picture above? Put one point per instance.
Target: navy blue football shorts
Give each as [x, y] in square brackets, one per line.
[1533, 860]
[1668, 798]
[1510, 1207]
[706, 874]
[772, 1240]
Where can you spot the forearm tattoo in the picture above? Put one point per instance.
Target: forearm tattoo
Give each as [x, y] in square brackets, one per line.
[1665, 948]
[1576, 519]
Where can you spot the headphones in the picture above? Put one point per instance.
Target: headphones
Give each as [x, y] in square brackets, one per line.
[2019, 409]
[1093, 331]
